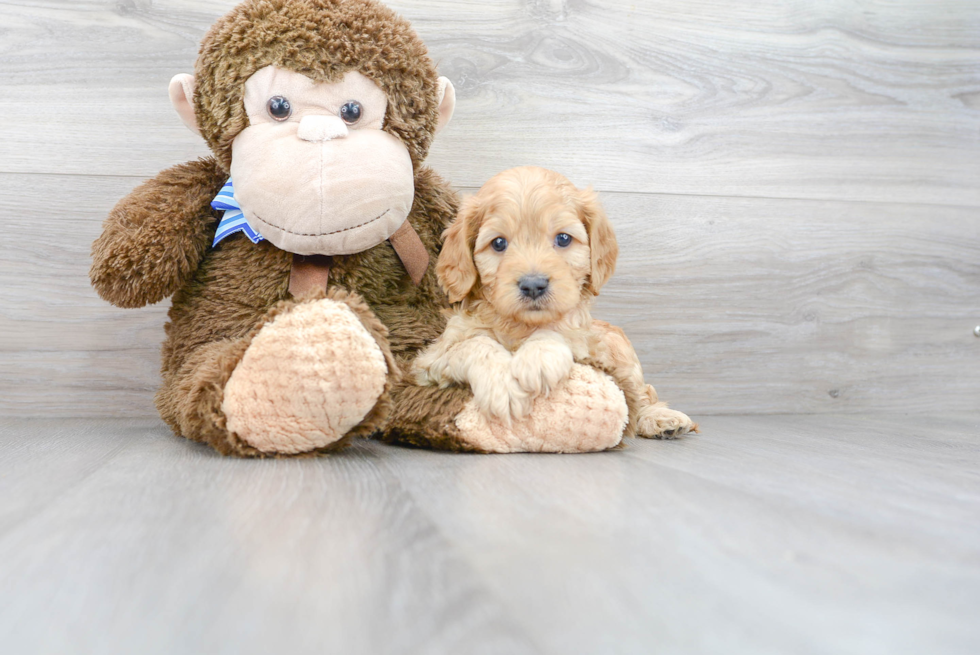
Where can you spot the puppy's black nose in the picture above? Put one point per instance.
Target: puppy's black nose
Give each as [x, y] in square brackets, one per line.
[533, 286]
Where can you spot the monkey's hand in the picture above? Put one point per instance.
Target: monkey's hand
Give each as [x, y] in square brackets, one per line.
[154, 238]
[542, 362]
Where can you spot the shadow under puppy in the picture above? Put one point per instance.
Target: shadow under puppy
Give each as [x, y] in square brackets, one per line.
[524, 259]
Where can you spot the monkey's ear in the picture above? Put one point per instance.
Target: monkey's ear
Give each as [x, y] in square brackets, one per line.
[447, 103]
[602, 240]
[182, 98]
[455, 269]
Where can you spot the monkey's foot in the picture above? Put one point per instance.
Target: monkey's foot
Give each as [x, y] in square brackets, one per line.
[306, 379]
[584, 413]
[660, 422]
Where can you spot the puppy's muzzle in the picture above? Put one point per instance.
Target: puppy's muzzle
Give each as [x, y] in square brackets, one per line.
[533, 286]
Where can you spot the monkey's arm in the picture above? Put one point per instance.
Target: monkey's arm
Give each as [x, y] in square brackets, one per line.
[155, 237]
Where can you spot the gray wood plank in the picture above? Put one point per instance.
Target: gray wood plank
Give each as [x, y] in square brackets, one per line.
[803, 534]
[761, 306]
[874, 101]
[140, 542]
[762, 535]
[735, 305]
[63, 351]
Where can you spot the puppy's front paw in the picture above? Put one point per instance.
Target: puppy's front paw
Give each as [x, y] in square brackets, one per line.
[424, 377]
[539, 366]
[430, 370]
[497, 393]
[659, 422]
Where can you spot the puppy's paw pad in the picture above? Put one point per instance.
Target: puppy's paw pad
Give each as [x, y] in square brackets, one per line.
[663, 423]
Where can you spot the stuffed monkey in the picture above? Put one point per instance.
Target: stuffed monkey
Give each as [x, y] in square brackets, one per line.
[298, 256]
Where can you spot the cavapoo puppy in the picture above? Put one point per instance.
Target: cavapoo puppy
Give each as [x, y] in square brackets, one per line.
[524, 259]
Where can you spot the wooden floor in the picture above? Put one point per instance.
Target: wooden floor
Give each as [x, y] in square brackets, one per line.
[777, 534]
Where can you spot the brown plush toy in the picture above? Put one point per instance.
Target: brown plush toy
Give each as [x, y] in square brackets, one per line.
[298, 256]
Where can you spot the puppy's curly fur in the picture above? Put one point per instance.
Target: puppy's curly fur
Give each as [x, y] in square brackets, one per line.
[524, 260]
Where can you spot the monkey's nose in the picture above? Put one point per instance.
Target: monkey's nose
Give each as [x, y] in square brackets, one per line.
[533, 286]
[321, 128]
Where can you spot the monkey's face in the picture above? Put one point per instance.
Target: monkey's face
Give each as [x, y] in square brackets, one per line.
[321, 164]
[314, 173]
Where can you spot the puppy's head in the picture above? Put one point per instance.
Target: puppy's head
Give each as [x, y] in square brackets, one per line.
[531, 244]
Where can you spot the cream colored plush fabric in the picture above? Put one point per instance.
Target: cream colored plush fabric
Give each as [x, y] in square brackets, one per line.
[307, 378]
[585, 413]
[310, 184]
[181, 94]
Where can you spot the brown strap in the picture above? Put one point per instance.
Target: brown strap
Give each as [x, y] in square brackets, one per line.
[309, 272]
[409, 247]
[313, 271]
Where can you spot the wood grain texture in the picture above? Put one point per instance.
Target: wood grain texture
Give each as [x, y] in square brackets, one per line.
[789, 534]
[874, 100]
[738, 305]
[688, 114]
[799, 306]
[325, 555]
[794, 186]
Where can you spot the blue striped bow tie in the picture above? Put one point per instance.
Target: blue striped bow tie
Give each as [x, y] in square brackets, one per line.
[234, 219]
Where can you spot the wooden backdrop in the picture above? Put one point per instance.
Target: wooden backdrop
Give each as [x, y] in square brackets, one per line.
[795, 184]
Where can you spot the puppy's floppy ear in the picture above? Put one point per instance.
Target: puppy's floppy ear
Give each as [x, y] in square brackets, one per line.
[455, 269]
[602, 239]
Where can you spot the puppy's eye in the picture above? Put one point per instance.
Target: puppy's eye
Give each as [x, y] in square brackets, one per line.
[279, 108]
[499, 244]
[563, 240]
[351, 112]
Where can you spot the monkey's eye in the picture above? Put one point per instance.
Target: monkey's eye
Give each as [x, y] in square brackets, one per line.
[563, 240]
[351, 112]
[499, 244]
[279, 108]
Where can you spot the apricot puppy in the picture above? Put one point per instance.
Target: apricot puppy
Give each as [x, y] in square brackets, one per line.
[524, 259]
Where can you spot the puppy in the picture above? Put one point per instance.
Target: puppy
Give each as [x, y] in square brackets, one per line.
[524, 259]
